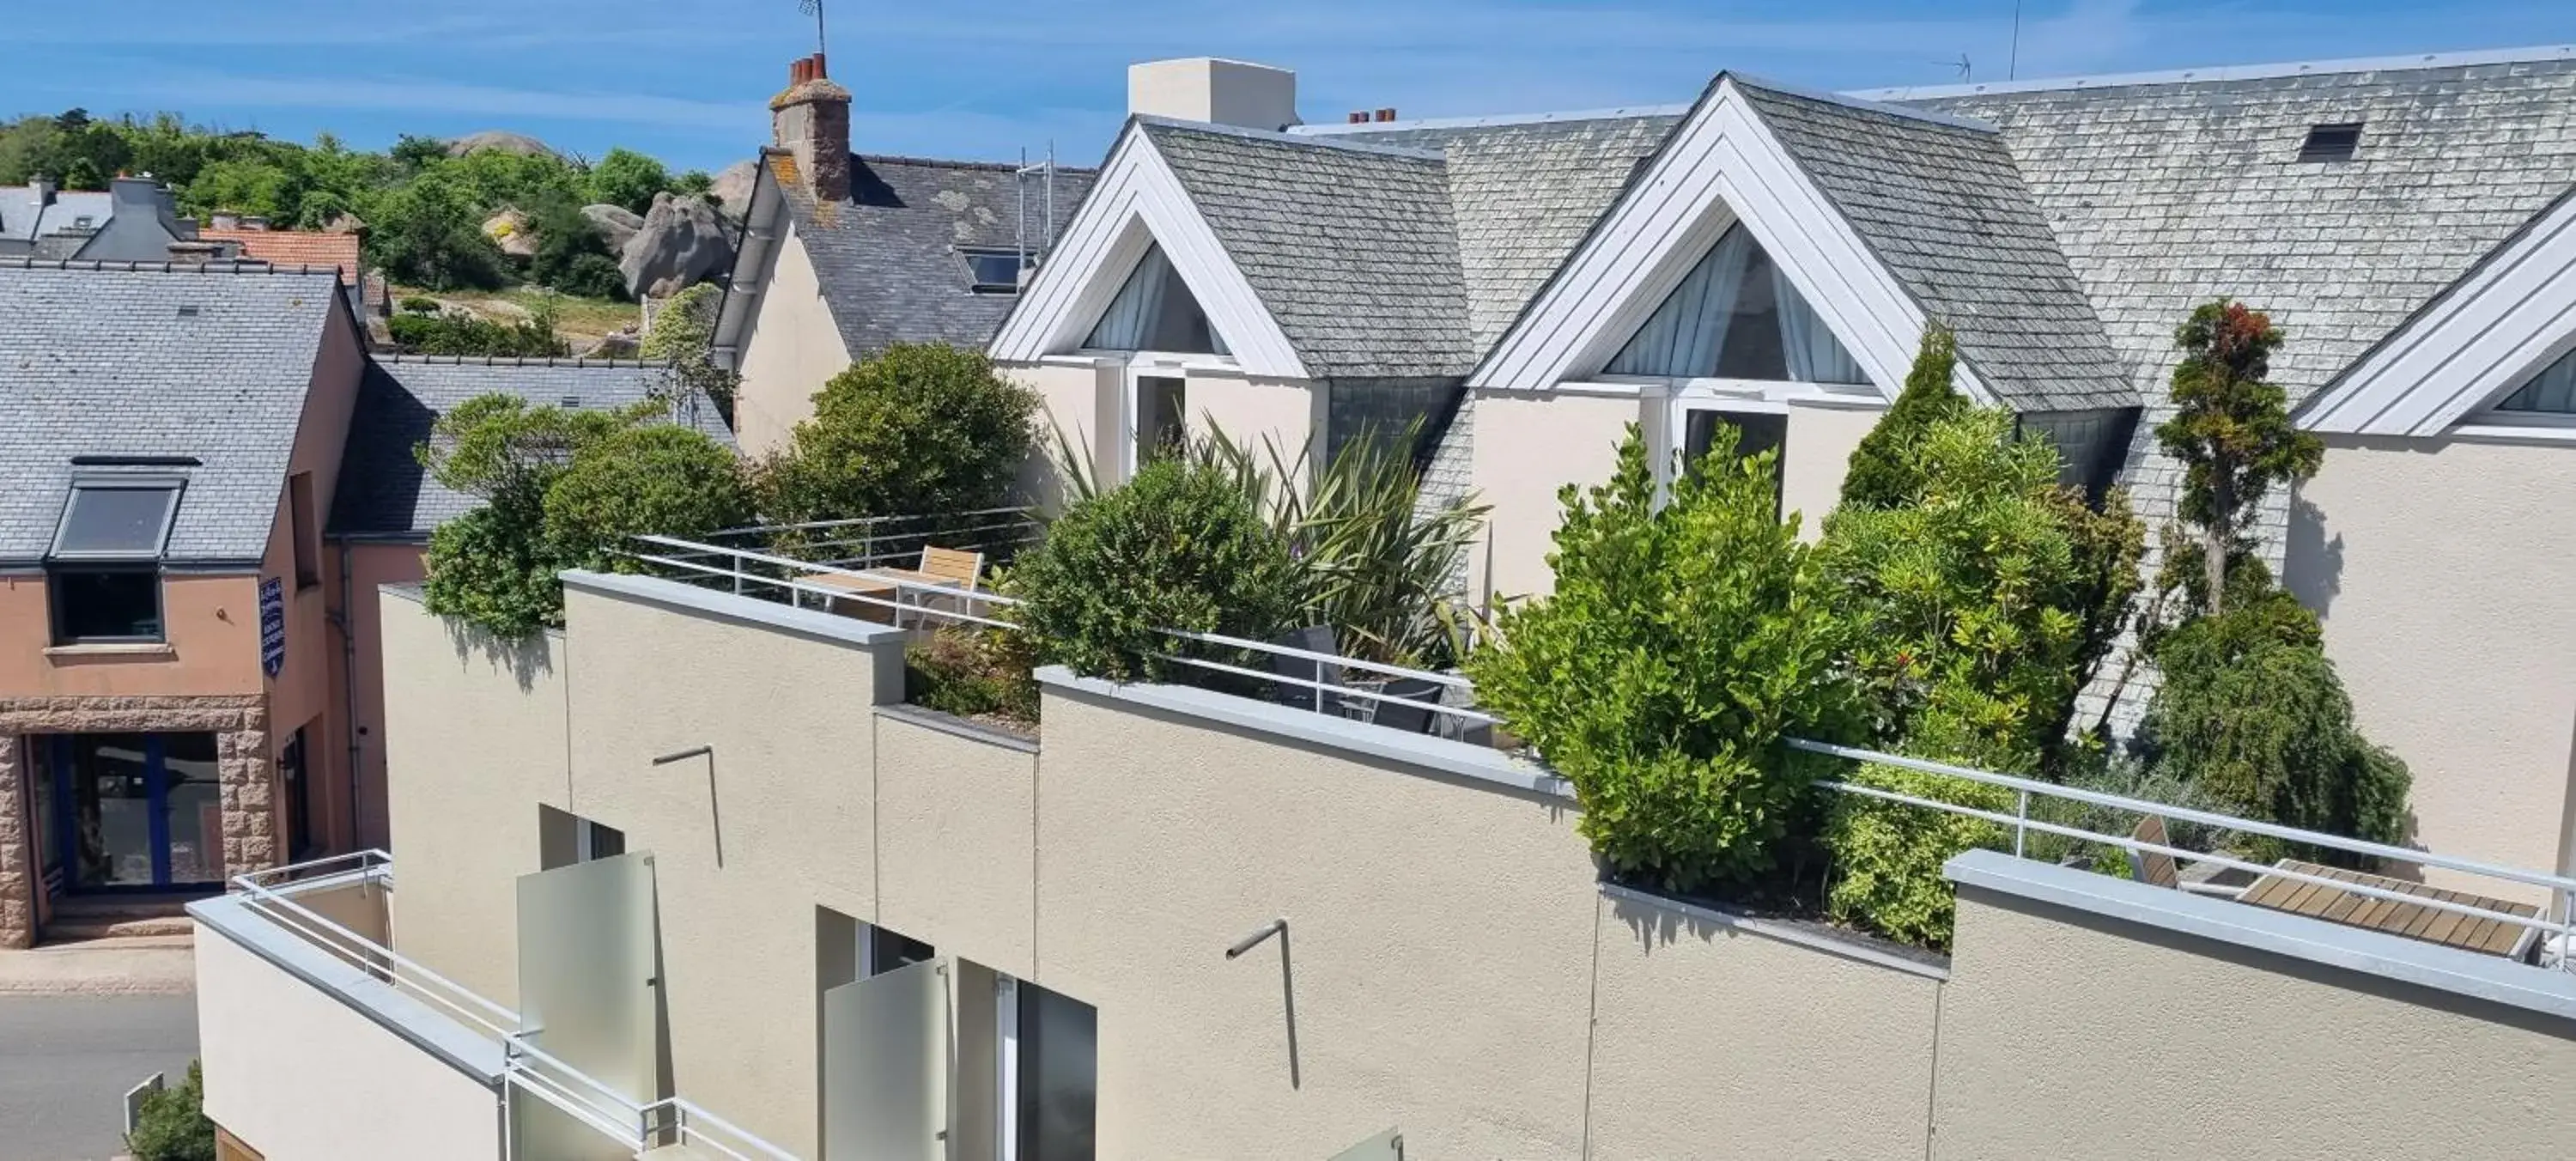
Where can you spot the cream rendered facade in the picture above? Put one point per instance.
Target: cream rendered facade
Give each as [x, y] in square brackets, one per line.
[791, 348]
[1454, 969]
[2432, 565]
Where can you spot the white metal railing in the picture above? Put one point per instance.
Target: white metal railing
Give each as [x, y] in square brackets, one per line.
[526, 1068]
[2562, 888]
[753, 572]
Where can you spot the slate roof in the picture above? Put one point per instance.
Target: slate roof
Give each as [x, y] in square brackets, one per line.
[1351, 248]
[22, 220]
[887, 258]
[384, 493]
[1942, 206]
[101, 361]
[2167, 193]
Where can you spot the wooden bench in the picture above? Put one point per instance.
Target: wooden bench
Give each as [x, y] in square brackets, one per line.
[951, 568]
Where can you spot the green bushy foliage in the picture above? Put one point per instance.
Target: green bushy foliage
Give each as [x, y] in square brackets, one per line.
[2252, 714]
[429, 232]
[973, 671]
[918, 428]
[683, 335]
[562, 488]
[1682, 642]
[1180, 546]
[628, 179]
[1976, 604]
[1883, 472]
[420, 304]
[2231, 431]
[571, 257]
[172, 1124]
[465, 334]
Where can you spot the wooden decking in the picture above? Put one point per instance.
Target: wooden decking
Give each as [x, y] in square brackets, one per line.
[2431, 924]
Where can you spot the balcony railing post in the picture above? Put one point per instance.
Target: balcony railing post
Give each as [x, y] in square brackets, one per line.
[2021, 823]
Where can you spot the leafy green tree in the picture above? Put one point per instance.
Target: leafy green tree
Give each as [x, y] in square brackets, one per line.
[416, 154]
[1883, 472]
[629, 179]
[1180, 546]
[562, 488]
[918, 428]
[247, 187]
[2232, 433]
[1683, 642]
[1975, 604]
[172, 1123]
[684, 333]
[694, 183]
[497, 178]
[430, 233]
[464, 334]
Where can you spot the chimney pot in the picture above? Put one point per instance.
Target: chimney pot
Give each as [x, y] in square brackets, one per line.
[1359, 118]
[796, 71]
[1386, 114]
[226, 221]
[811, 121]
[819, 70]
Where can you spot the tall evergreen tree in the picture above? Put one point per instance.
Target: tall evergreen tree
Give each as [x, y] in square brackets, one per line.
[1886, 468]
[2231, 431]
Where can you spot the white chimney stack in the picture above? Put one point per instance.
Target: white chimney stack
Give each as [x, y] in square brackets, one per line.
[1226, 92]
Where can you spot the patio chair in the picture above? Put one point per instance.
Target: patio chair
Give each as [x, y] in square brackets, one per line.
[1410, 719]
[2154, 868]
[1313, 639]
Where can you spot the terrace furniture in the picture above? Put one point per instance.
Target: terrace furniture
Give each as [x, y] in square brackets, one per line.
[2489, 936]
[943, 567]
[2158, 869]
[1312, 639]
[1410, 719]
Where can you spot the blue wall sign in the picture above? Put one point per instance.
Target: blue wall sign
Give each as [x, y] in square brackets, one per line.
[272, 626]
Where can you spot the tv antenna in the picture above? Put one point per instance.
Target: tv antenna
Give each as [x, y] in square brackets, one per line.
[2012, 64]
[814, 8]
[1967, 71]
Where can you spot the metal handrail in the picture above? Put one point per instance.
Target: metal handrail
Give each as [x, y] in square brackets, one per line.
[685, 1112]
[377, 960]
[2562, 887]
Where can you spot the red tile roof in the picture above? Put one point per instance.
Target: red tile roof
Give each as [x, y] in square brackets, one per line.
[294, 248]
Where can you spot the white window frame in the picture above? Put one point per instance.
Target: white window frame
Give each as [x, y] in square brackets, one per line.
[1006, 1056]
[1135, 365]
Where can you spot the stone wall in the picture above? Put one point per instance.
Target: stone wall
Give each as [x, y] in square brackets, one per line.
[246, 769]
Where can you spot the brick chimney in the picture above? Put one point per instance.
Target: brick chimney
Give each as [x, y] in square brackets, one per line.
[811, 119]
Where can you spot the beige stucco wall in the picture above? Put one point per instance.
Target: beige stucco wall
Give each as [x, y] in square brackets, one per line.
[2066, 1038]
[299, 1075]
[1439, 933]
[1821, 440]
[1527, 447]
[474, 733]
[1255, 412]
[369, 567]
[1079, 400]
[2442, 569]
[780, 820]
[303, 694]
[957, 844]
[793, 348]
[1710, 1041]
[210, 623]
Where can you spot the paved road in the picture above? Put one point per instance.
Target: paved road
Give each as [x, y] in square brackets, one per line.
[64, 1061]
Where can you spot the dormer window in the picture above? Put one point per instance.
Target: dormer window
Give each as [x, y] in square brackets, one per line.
[103, 575]
[2551, 392]
[2337, 142]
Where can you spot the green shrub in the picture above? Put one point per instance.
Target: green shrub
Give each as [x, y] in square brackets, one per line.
[2252, 714]
[683, 335]
[420, 304]
[973, 671]
[1888, 855]
[919, 428]
[562, 488]
[171, 1125]
[464, 334]
[1682, 642]
[659, 479]
[1180, 547]
[628, 179]
[571, 257]
[430, 233]
[1883, 472]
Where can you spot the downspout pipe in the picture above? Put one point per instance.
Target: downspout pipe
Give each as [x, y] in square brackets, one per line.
[349, 686]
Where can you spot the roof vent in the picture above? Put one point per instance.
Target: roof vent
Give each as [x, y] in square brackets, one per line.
[2331, 142]
[572, 400]
[188, 311]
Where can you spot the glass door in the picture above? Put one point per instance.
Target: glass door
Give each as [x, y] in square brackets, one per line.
[138, 810]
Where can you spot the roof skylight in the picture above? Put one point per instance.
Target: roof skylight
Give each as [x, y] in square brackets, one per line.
[2331, 142]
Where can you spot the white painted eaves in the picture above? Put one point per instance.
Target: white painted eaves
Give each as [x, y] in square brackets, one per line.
[1136, 202]
[2510, 316]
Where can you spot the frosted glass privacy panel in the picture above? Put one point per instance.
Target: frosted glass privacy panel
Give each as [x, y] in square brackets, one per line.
[886, 1066]
[541, 1129]
[1386, 1146]
[588, 973]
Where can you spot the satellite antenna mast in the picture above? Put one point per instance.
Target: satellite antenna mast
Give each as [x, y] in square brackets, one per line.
[2012, 64]
[814, 8]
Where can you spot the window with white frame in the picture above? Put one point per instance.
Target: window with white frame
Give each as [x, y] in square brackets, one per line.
[103, 572]
[1736, 316]
[1155, 311]
[1701, 423]
[2551, 392]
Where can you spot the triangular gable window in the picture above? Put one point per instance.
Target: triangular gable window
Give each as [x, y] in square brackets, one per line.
[1736, 316]
[1156, 312]
[2553, 391]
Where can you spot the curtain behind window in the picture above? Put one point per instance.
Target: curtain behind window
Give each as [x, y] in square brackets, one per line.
[1689, 329]
[1814, 356]
[1131, 316]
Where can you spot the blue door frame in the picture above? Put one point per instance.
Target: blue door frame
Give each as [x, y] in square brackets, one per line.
[156, 790]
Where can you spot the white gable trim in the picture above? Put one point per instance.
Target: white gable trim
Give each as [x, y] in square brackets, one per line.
[1137, 201]
[1722, 166]
[2507, 320]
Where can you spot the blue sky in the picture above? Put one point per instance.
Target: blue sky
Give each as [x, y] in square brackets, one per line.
[984, 78]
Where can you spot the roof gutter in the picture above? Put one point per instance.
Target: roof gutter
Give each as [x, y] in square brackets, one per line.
[725, 345]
